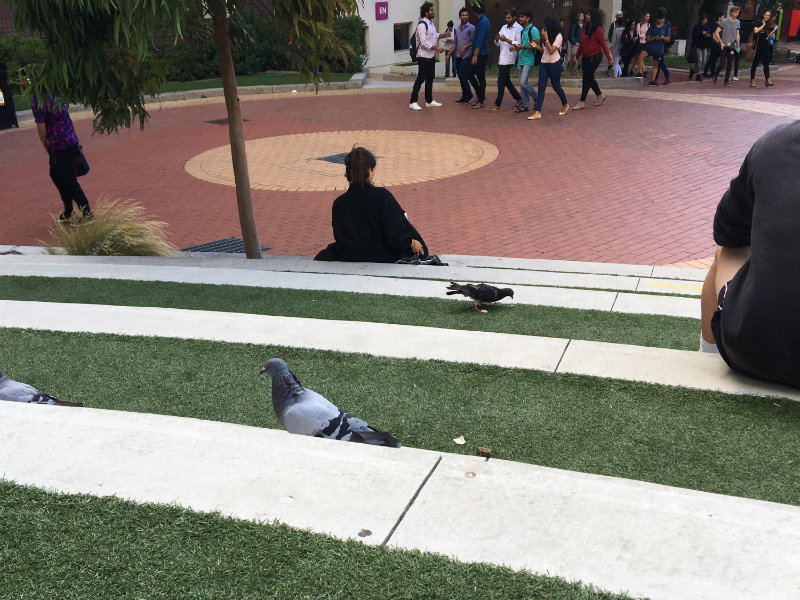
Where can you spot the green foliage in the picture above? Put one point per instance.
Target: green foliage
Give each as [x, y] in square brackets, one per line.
[97, 53]
[17, 50]
[350, 29]
[258, 45]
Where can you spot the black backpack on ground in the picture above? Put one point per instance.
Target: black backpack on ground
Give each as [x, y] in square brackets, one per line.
[413, 47]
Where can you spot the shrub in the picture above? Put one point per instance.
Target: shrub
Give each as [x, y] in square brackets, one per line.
[351, 30]
[117, 228]
[17, 50]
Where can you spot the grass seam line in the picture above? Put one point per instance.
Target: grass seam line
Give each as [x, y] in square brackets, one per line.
[410, 503]
[614, 303]
[562, 356]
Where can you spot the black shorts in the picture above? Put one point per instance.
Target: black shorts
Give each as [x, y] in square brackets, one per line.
[716, 329]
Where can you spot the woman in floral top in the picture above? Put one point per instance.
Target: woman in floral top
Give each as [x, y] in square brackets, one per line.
[58, 137]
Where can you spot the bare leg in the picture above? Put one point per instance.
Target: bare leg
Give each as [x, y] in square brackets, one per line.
[727, 262]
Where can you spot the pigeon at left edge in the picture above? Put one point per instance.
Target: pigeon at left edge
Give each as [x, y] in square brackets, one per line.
[16, 391]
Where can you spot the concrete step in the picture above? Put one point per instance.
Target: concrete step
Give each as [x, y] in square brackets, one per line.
[554, 355]
[226, 271]
[545, 273]
[648, 540]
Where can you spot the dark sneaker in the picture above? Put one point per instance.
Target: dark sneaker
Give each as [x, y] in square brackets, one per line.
[727, 84]
[691, 73]
[62, 218]
[698, 78]
[653, 83]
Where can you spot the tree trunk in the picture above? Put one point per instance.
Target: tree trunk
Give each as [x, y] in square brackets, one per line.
[244, 199]
[692, 14]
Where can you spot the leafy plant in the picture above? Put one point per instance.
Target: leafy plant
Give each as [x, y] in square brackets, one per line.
[17, 50]
[116, 228]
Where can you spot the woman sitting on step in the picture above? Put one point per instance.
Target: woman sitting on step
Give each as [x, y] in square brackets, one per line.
[749, 299]
[368, 223]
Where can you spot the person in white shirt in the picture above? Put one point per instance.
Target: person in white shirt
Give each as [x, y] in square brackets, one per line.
[507, 39]
[449, 42]
[427, 46]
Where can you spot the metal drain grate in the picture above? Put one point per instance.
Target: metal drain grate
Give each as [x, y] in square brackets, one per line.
[334, 158]
[224, 121]
[231, 245]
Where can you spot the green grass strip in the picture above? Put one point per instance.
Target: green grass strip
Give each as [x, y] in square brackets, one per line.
[249, 80]
[737, 445]
[77, 546]
[548, 321]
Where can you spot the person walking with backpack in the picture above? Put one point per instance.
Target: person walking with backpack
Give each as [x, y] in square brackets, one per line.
[529, 43]
[480, 55]
[761, 36]
[427, 40]
[593, 46]
[507, 40]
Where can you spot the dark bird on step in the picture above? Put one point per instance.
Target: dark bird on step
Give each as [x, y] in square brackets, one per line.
[481, 294]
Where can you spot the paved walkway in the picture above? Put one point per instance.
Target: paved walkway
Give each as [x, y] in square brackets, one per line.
[634, 181]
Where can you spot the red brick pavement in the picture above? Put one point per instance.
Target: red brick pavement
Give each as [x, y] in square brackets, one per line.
[634, 181]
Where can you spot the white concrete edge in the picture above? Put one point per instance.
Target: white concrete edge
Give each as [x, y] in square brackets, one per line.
[497, 276]
[364, 284]
[679, 368]
[616, 533]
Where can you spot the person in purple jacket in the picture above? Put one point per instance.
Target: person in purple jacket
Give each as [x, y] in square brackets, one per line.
[58, 137]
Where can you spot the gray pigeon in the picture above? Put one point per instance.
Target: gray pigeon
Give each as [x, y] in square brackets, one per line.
[16, 391]
[305, 412]
[480, 294]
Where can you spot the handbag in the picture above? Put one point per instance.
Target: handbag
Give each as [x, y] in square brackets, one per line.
[80, 164]
[750, 49]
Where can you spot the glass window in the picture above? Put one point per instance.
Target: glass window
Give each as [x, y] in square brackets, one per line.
[402, 33]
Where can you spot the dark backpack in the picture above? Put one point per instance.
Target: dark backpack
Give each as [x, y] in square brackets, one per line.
[413, 46]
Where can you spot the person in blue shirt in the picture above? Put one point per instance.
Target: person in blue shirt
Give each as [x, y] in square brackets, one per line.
[658, 35]
[480, 55]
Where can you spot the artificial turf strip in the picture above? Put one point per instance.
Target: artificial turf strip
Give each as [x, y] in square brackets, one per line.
[77, 546]
[548, 321]
[736, 445]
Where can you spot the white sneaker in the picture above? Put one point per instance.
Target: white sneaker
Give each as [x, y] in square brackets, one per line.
[414, 106]
[736, 79]
[433, 103]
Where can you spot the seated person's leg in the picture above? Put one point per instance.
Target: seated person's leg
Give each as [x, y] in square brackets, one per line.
[727, 262]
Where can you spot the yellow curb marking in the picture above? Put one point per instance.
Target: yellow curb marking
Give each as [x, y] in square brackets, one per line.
[295, 162]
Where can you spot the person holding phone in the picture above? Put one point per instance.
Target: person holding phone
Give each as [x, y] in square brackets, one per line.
[550, 67]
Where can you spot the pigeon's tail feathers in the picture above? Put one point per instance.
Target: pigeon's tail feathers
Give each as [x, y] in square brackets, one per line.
[42, 398]
[65, 403]
[457, 288]
[376, 438]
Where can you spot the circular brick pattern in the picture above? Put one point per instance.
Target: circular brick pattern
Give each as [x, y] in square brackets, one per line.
[309, 162]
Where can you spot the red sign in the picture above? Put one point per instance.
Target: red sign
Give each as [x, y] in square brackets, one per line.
[381, 11]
